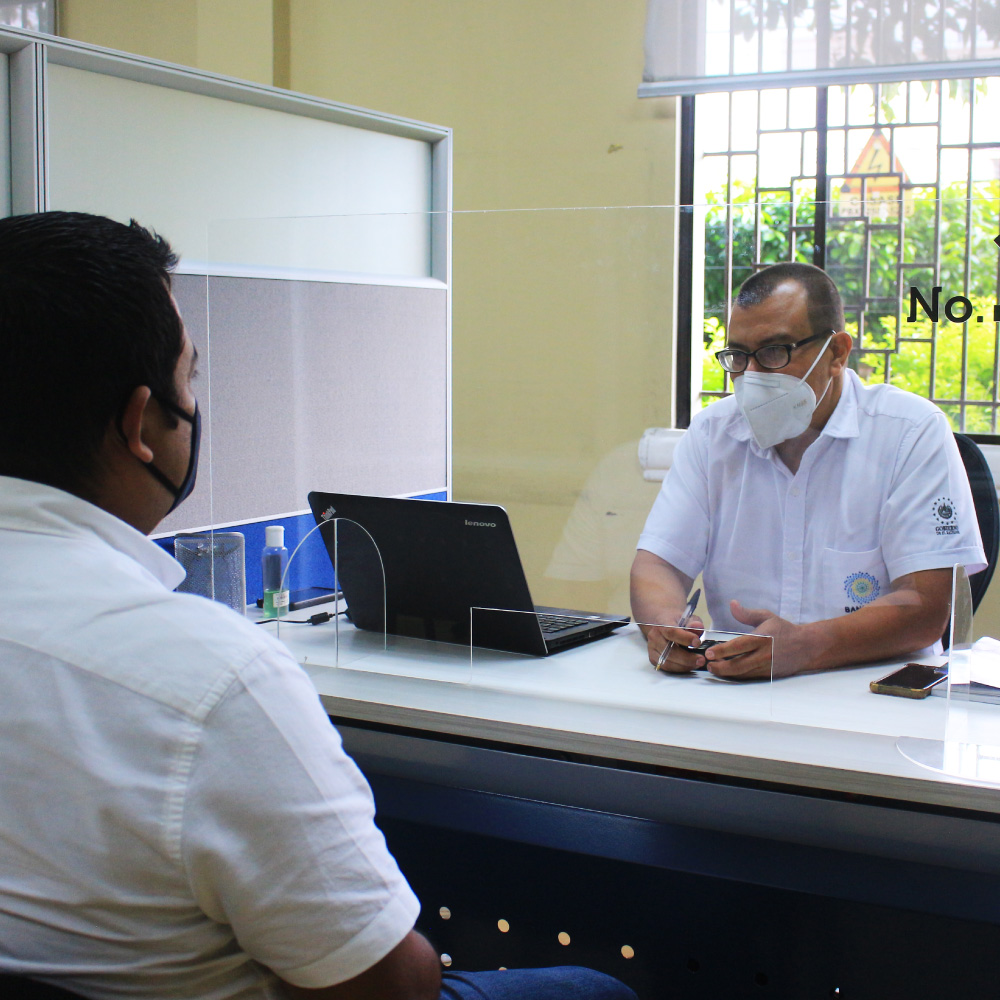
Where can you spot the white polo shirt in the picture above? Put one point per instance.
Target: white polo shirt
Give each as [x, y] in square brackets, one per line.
[881, 493]
[177, 815]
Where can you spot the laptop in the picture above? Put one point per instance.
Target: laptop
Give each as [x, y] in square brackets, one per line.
[441, 559]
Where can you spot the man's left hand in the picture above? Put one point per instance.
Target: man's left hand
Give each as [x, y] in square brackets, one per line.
[775, 648]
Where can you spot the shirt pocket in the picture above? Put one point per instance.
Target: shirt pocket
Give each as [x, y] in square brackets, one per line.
[852, 580]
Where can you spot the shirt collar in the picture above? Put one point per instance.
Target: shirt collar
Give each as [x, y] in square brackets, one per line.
[843, 422]
[33, 507]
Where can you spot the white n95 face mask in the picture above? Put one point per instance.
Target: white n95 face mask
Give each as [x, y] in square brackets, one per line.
[777, 407]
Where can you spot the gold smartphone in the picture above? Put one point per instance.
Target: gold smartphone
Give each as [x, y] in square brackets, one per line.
[915, 680]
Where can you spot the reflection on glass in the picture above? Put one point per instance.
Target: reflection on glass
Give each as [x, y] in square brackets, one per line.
[590, 563]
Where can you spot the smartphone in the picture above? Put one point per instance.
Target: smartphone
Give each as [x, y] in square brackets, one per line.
[915, 680]
[706, 644]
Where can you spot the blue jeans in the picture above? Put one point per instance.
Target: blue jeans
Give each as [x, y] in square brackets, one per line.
[566, 983]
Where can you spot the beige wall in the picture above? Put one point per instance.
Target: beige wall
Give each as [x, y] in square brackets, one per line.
[562, 317]
[235, 37]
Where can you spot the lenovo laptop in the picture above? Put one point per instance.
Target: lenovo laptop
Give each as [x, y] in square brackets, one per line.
[442, 559]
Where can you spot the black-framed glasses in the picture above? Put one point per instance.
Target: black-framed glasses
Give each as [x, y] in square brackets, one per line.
[772, 356]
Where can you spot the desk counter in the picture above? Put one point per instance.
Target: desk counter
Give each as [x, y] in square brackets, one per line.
[767, 795]
[824, 731]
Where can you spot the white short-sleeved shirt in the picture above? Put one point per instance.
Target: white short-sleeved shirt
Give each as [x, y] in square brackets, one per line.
[881, 493]
[177, 815]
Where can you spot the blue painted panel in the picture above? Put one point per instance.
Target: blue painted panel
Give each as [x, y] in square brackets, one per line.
[311, 566]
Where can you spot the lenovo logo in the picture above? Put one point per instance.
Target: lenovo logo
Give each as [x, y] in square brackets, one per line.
[481, 524]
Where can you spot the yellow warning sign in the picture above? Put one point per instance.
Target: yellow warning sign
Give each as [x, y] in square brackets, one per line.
[874, 187]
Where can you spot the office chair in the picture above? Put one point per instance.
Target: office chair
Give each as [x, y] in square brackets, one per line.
[984, 496]
[22, 988]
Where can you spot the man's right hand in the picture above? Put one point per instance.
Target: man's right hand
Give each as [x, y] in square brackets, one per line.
[679, 659]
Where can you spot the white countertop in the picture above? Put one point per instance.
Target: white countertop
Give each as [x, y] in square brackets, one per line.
[823, 730]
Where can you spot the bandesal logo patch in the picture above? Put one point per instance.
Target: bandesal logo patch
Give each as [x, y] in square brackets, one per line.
[861, 589]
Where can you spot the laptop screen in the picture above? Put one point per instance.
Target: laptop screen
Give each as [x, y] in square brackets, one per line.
[440, 560]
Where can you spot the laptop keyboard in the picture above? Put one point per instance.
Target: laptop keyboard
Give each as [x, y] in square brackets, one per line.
[556, 623]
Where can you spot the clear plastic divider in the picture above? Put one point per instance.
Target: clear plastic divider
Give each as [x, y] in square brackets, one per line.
[357, 630]
[969, 745]
[325, 374]
[333, 639]
[599, 659]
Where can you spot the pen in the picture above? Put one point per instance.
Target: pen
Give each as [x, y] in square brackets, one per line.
[682, 621]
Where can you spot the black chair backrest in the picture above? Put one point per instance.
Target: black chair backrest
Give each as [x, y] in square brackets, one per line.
[22, 988]
[984, 496]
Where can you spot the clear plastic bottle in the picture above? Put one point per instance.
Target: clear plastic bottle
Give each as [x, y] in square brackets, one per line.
[273, 561]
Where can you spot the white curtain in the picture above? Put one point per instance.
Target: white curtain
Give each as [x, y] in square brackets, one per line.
[696, 46]
[35, 15]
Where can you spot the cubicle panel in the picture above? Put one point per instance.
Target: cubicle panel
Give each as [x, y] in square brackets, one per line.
[175, 159]
[316, 385]
[306, 386]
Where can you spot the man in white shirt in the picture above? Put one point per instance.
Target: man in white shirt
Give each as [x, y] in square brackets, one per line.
[824, 515]
[177, 815]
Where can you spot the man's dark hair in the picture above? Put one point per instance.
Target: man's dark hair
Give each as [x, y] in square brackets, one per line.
[85, 317]
[826, 311]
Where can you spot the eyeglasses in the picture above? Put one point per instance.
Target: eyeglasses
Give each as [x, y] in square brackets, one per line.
[771, 357]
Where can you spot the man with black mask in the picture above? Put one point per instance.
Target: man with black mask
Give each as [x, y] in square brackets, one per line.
[177, 815]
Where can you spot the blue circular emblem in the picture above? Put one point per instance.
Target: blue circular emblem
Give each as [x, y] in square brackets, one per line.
[862, 588]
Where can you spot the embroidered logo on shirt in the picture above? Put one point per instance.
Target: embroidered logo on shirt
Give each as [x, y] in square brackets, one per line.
[946, 516]
[861, 589]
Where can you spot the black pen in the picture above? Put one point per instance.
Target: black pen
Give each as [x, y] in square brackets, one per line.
[684, 619]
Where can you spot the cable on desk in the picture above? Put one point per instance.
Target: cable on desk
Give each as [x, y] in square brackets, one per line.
[317, 619]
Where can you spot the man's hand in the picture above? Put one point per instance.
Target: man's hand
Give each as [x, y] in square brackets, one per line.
[659, 596]
[752, 656]
[680, 659]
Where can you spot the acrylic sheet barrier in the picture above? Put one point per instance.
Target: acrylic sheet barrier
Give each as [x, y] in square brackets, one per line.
[968, 748]
[364, 631]
[530, 378]
[613, 670]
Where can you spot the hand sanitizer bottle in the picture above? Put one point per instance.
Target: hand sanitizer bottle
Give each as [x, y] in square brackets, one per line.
[273, 561]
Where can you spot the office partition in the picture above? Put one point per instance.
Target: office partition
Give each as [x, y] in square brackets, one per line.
[314, 244]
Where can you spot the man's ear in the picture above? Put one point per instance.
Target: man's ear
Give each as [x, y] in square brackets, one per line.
[132, 423]
[841, 344]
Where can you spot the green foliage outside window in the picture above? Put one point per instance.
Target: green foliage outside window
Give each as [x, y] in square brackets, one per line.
[910, 363]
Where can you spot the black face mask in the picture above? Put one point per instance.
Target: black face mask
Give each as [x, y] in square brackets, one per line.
[182, 492]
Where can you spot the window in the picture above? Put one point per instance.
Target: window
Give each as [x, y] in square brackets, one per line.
[895, 190]
[859, 135]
